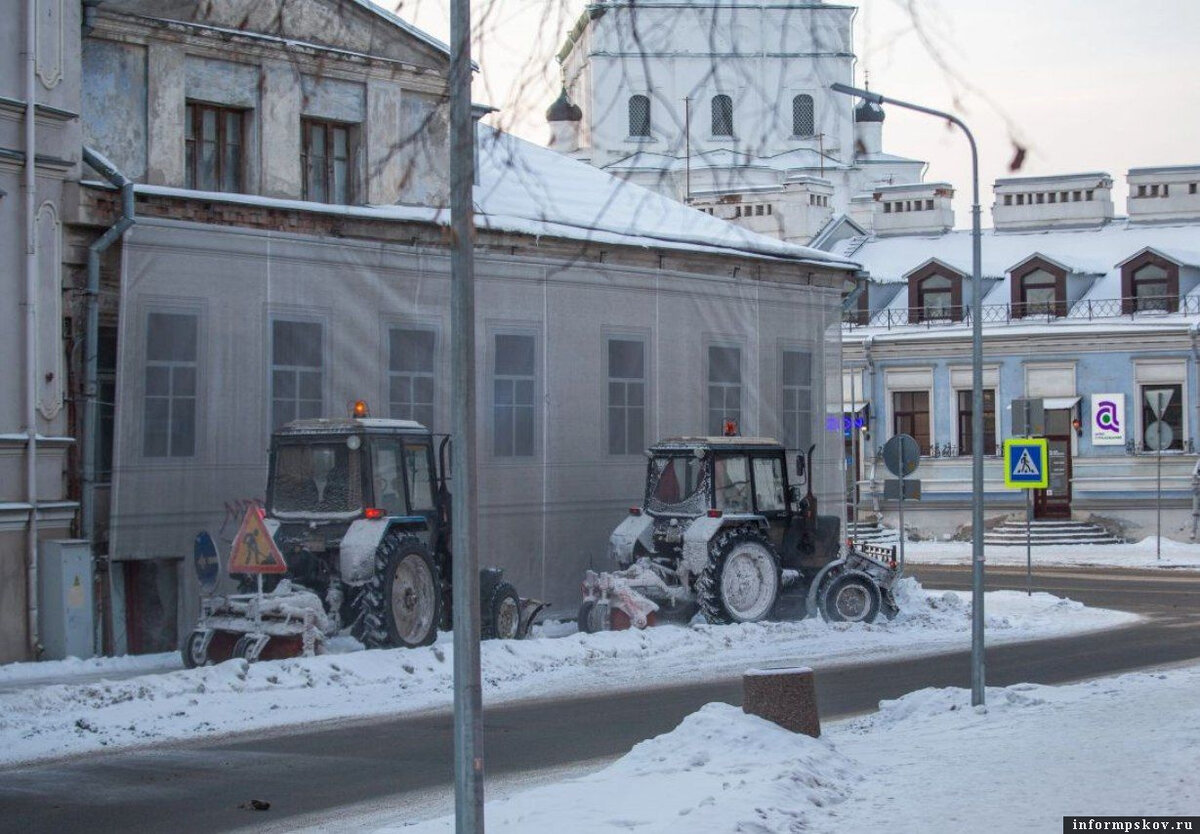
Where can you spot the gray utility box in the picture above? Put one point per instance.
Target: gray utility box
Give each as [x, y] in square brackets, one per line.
[65, 613]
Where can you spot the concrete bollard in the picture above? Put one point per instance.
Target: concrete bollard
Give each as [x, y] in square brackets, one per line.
[787, 697]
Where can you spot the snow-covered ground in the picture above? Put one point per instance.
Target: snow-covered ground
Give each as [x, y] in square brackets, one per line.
[928, 763]
[78, 716]
[1175, 555]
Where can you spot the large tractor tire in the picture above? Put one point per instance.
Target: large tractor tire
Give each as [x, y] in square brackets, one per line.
[401, 605]
[850, 598]
[194, 651]
[740, 583]
[502, 614]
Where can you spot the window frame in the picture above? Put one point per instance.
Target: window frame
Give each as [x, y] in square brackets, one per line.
[898, 415]
[803, 439]
[917, 292]
[1174, 409]
[192, 138]
[625, 408]
[721, 112]
[410, 376]
[725, 388]
[812, 116]
[646, 131]
[173, 400]
[328, 127]
[1018, 295]
[296, 370]
[1168, 301]
[962, 421]
[532, 405]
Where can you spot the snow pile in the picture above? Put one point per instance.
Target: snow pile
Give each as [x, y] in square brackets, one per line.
[927, 762]
[719, 770]
[76, 717]
[1140, 554]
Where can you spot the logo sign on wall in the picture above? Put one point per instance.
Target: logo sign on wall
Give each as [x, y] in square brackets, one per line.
[1108, 419]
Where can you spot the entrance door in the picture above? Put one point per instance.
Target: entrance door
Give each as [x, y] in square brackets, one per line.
[1055, 501]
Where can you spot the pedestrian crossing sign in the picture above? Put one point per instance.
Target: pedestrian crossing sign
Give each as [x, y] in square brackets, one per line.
[1025, 463]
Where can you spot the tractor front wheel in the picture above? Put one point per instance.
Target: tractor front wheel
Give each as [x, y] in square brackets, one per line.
[502, 616]
[740, 583]
[850, 598]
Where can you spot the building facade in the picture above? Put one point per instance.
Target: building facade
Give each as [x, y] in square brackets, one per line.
[1095, 315]
[259, 233]
[726, 106]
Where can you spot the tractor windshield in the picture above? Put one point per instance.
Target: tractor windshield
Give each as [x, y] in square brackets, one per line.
[316, 479]
[678, 485]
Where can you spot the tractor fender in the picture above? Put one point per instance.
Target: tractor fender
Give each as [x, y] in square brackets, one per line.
[810, 603]
[356, 559]
[635, 528]
[702, 530]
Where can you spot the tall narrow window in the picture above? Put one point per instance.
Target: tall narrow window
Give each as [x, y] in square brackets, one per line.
[626, 396]
[106, 381]
[411, 374]
[965, 434]
[1170, 426]
[722, 116]
[512, 396]
[803, 116]
[326, 159]
[297, 371]
[796, 402]
[724, 388]
[213, 141]
[169, 424]
[910, 415]
[639, 116]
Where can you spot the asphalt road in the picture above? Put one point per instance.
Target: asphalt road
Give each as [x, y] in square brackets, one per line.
[199, 787]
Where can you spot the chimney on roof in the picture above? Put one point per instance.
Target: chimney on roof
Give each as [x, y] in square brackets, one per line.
[1066, 200]
[1164, 195]
[916, 208]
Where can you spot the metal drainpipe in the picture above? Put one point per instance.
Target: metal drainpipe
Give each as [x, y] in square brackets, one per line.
[868, 396]
[31, 272]
[91, 336]
[1194, 332]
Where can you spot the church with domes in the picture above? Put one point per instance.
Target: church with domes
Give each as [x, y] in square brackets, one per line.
[726, 106]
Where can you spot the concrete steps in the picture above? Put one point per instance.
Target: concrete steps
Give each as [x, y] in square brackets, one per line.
[1012, 534]
[872, 532]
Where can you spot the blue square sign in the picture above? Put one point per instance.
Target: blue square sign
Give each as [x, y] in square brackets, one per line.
[1025, 464]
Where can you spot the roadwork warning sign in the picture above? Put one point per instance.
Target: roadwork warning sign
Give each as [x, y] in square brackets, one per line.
[1025, 464]
[254, 550]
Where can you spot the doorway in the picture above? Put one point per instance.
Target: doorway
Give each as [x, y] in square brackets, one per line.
[1054, 502]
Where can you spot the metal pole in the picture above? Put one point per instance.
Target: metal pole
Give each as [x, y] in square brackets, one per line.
[1158, 502]
[977, 653]
[1029, 515]
[468, 692]
[687, 151]
[903, 466]
[853, 452]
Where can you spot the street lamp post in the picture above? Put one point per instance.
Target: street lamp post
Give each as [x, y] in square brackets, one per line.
[977, 677]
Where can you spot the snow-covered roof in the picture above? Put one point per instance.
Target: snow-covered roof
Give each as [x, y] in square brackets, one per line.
[527, 189]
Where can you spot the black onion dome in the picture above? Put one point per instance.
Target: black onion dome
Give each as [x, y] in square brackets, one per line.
[868, 111]
[563, 110]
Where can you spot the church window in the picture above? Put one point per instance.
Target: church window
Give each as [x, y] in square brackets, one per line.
[803, 121]
[722, 116]
[639, 115]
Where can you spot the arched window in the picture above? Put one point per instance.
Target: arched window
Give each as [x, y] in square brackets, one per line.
[934, 297]
[803, 121]
[934, 294]
[639, 116]
[722, 116]
[1149, 282]
[1151, 289]
[1039, 293]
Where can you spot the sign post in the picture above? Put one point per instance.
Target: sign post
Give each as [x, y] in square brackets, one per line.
[1025, 467]
[1159, 435]
[254, 551]
[901, 455]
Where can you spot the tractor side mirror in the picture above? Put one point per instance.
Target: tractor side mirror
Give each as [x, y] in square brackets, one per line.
[801, 471]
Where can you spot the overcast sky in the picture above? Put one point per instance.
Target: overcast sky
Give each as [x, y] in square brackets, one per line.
[1086, 85]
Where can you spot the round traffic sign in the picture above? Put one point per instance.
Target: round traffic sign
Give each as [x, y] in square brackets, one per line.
[901, 455]
[1159, 435]
[206, 561]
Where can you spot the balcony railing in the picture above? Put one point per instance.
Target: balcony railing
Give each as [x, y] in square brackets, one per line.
[1107, 308]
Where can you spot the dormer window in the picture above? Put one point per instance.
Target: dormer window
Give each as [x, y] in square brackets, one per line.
[639, 116]
[1149, 282]
[1039, 288]
[722, 116]
[935, 294]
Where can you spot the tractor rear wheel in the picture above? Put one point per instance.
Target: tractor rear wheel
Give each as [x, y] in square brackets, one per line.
[194, 651]
[740, 583]
[401, 605]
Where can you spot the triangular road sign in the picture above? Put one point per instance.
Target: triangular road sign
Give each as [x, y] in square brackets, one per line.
[1025, 465]
[1158, 399]
[254, 550]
